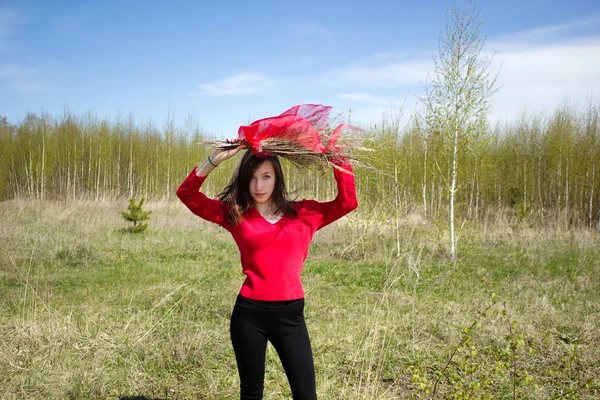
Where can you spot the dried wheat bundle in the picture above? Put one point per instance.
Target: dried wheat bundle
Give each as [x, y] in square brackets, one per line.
[304, 135]
[302, 157]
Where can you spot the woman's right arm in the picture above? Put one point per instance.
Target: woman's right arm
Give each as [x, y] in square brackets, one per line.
[189, 193]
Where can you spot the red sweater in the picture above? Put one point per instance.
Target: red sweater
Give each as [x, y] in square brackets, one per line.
[272, 255]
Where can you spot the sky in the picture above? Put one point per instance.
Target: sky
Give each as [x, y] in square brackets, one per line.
[227, 63]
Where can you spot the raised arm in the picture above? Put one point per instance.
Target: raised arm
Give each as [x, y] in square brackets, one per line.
[189, 193]
[345, 201]
[206, 208]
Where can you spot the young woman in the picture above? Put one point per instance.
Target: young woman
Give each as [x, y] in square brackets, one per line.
[273, 235]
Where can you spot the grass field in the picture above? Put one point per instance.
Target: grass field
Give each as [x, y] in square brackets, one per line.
[87, 311]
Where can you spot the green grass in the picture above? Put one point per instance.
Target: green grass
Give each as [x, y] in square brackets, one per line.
[87, 311]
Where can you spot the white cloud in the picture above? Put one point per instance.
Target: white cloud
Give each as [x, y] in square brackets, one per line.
[408, 73]
[22, 79]
[368, 110]
[309, 30]
[538, 70]
[545, 34]
[402, 77]
[31, 87]
[367, 115]
[9, 19]
[243, 83]
[11, 71]
[365, 98]
[541, 76]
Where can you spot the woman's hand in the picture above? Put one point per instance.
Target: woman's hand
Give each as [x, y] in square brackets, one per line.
[220, 155]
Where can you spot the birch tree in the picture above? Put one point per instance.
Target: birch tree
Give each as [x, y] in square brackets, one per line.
[457, 95]
[5, 156]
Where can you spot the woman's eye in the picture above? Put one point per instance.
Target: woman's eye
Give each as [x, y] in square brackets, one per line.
[266, 177]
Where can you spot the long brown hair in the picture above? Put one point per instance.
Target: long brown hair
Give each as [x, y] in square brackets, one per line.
[237, 193]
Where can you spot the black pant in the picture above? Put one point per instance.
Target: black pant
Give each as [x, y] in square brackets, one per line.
[253, 322]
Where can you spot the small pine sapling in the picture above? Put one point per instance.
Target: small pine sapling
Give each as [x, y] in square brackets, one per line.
[135, 215]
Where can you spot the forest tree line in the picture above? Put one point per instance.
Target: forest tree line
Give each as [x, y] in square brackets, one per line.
[539, 167]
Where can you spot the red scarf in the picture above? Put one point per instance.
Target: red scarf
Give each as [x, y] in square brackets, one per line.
[302, 124]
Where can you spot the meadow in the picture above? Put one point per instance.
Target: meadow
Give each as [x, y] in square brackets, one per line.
[90, 312]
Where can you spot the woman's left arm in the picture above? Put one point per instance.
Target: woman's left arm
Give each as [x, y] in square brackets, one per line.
[344, 202]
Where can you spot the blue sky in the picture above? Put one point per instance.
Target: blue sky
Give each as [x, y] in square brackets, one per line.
[229, 62]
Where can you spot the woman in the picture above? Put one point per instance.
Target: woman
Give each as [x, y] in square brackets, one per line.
[273, 235]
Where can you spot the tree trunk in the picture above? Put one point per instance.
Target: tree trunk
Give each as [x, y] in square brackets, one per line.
[90, 181]
[146, 180]
[98, 174]
[472, 194]
[43, 177]
[118, 188]
[74, 183]
[591, 205]
[130, 169]
[424, 191]
[477, 199]
[397, 204]
[525, 187]
[540, 185]
[567, 184]
[453, 193]
[30, 174]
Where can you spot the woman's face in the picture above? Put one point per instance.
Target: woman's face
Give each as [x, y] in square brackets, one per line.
[262, 183]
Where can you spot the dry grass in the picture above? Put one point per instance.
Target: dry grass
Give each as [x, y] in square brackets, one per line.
[90, 312]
